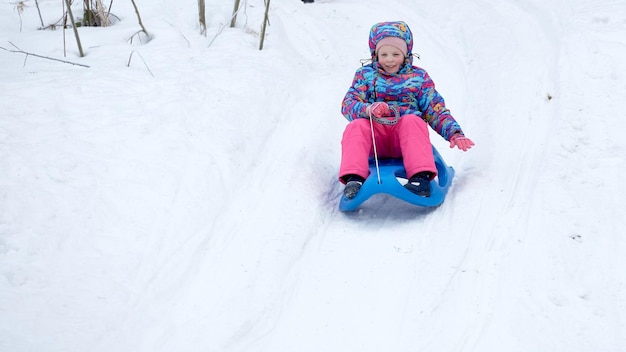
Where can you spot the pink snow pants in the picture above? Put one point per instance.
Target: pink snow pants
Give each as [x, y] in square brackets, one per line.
[408, 139]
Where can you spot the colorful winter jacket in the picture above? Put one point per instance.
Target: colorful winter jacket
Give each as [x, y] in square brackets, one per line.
[410, 89]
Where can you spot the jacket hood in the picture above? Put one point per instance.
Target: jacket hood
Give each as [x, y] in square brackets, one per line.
[391, 29]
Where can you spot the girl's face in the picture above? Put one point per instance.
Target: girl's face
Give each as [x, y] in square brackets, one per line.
[390, 58]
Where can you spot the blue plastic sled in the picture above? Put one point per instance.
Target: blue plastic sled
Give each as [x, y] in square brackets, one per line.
[390, 170]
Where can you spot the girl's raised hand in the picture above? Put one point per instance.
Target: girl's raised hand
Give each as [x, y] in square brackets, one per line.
[461, 142]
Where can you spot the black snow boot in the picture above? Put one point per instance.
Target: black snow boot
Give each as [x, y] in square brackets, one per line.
[353, 185]
[420, 184]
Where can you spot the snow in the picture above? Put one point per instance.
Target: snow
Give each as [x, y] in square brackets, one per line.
[181, 194]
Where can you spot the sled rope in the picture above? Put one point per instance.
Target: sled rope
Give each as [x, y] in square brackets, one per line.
[385, 121]
[374, 144]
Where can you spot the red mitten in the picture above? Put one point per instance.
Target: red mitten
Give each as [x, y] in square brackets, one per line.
[461, 142]
[378, 109]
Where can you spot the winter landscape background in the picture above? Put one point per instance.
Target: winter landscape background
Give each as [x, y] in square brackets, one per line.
[180, 194]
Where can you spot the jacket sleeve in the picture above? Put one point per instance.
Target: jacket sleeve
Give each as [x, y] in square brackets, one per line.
[356, 99]
[434, 111]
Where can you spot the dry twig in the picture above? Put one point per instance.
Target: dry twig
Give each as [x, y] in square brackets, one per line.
[39, 12]
[20, 51]
[19, 7]
[143, 29]
[144, 62]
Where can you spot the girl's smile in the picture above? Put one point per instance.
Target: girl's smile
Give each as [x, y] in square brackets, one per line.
[390, 58]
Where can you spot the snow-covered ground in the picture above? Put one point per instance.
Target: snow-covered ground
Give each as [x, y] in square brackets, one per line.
[181, 195]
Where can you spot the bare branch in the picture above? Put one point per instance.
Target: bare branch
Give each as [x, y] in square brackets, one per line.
[143, 29]
[144, 62]
[39, 11]
[20, 51]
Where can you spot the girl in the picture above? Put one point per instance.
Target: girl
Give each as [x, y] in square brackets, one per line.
[392, 83]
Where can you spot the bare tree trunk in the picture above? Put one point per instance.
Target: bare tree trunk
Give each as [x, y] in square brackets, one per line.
[265, 20]
[233, 20]
[64, 28]
[69, 10]
[88, 17]
[202, 17]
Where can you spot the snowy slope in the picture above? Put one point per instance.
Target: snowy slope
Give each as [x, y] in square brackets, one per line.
[180, 194]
